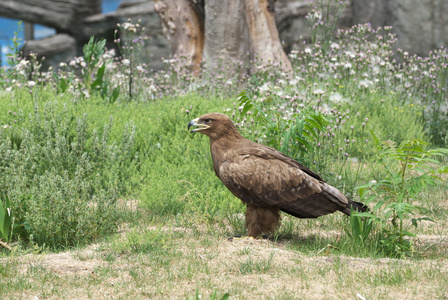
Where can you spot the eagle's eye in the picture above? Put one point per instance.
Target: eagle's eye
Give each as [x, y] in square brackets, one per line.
[207, 120]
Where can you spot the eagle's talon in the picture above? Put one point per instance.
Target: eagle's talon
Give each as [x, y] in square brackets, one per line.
[240, 237]
[247, 237]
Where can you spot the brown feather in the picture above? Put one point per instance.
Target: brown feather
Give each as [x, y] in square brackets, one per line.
[266, 179]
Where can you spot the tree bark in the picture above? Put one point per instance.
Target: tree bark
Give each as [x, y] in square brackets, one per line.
[228, 33]
[265, 41]
[184, 29]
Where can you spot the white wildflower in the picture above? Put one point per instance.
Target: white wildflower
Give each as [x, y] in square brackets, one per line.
[110, 67]
[308, 50]
[31, 83]
[86, 94]
[22, 65]
[325, 108]
[129, 27]
[293, 54]
[126, 62]
[336, 97]
[334, 46]
[265, 87]
[318, 92]
[350, 54]
[365, 83]
[152, 88]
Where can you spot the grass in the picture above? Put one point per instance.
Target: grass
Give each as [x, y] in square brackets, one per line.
[170, 262]
[113, 198]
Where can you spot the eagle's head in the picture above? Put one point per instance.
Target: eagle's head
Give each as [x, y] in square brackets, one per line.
[214, 125]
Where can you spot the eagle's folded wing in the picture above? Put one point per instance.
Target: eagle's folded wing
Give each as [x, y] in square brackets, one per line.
[263, 179]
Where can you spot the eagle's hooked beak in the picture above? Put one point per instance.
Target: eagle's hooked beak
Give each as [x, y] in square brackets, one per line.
[196, 124]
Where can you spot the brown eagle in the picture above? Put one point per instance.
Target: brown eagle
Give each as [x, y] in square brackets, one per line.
[267, 180]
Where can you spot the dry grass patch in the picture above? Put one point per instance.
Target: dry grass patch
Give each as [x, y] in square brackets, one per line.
[177, 262]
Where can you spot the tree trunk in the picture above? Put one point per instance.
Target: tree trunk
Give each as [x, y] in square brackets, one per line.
[184, 29]
[265, 41]
[227, 40]
[223, 33]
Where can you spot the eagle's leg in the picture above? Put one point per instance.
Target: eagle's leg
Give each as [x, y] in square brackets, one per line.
[261, 220]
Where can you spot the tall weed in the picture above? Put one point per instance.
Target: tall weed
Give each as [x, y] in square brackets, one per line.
[410, 168]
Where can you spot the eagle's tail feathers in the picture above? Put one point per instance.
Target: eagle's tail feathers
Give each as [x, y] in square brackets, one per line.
[353, 205]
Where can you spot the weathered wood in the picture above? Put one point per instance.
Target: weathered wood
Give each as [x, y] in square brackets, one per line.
[5, 245]
[104, 25]
[58, 48]
[64, 15]
[184, 30]
[226, 34]
[233, 32]
[50, 45]
[264, 36]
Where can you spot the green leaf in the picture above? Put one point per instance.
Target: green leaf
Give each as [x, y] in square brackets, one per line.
[5, 221]
[375, 139]
[115, 94]
[99, 77]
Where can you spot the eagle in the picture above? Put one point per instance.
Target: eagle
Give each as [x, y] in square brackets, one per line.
[266, 180]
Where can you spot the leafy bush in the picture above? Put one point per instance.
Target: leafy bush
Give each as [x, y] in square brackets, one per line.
[410, 169]
[61, 177]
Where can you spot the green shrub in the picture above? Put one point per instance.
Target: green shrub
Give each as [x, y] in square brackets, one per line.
[410, 169]
[61, 177]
